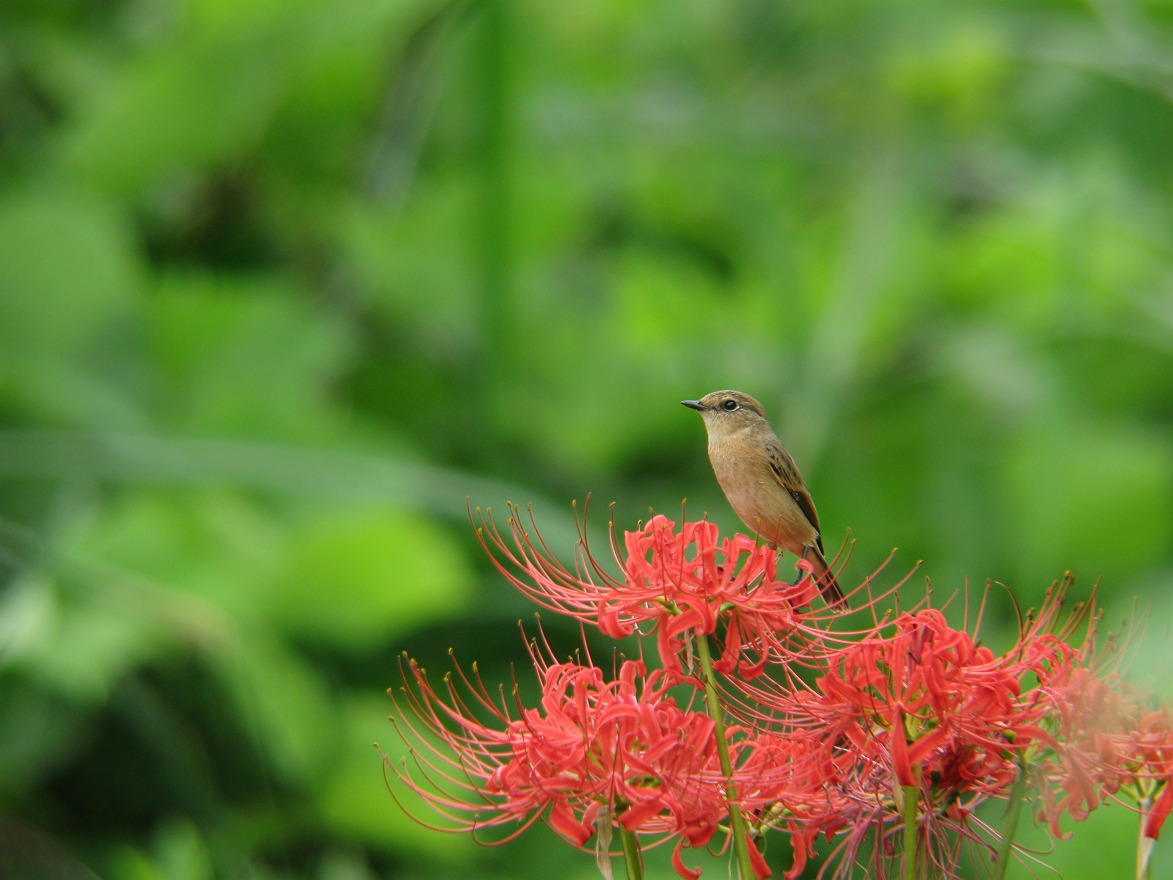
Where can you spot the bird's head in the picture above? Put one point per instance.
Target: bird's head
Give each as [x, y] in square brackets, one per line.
[728, 412]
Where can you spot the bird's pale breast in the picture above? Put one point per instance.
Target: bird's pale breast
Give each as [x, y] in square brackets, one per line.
[756, 495]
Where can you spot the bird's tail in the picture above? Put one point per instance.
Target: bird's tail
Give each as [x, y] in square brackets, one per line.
[829, 587]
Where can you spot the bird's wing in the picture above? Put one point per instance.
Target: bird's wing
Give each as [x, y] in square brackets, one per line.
[789, 479]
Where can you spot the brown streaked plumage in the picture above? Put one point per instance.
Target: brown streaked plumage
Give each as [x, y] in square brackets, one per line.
[762, 483]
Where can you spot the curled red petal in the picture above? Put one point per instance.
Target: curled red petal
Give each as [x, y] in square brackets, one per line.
[1159, 813]
[678, 863]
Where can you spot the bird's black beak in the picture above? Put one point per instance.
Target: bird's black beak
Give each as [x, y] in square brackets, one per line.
[694, 404]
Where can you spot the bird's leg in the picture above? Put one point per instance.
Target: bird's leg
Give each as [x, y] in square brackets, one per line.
[801, 573]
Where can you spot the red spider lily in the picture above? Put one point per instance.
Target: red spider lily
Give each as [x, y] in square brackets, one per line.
[680, 583]
[1107, 741]
[686, 582]
[1086, 763]
[1150, 743]
[916, 704]
[881, 741]
[790, 782]
[594, 751]
[1102, 737]
[947, 711]
[808, 789]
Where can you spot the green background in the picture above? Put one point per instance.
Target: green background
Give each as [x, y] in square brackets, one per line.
[282, 283]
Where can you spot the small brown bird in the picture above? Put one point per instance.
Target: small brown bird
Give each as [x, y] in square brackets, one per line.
[762, 483]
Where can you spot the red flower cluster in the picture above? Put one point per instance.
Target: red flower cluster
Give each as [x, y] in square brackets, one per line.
[882, 740]
[592, 752]
[929, 703]
[915, 708]
[1108, 739]
[677, 584]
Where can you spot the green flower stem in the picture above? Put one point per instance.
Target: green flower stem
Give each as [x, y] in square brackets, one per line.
[633, 858]
[1144, 845]
[1014, 802]
[737, 824]
[908, 811]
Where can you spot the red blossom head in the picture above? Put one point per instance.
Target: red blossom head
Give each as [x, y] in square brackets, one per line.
[594, 750]
[915, 704]
[675, 583]
[881, 740]
[1110, 742]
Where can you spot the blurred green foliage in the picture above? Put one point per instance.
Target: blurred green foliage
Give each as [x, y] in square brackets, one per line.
[283, 282]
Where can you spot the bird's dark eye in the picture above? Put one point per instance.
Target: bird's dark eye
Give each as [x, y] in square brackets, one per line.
[729, 405]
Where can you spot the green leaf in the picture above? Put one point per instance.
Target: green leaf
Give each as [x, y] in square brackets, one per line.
[178, 852]
[80, 635]
[361, 578]
[285, 704]
[69, 271]
[239, 355]
[188, 105]
[190, 555]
